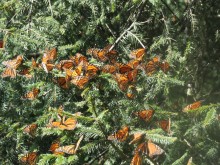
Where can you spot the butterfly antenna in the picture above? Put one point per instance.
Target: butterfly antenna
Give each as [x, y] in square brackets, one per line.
[78, 143]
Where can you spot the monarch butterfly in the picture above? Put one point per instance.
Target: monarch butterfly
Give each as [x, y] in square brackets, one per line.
[73, 73]
[47, 67]
[64, 64]
[91, 70]
[165, 125]
[26, 73]
[1, 44]
[111, 55]
[14, 63]
[154, 149]
[132, 75]
[29, 158]
[136, 160]
[146, 115]
[121, 135]
[137, 53]
[55, 144]
[164, 66]
[80, 81]
[54, 124]
[131, 93]
[68, 124]
[78, 58]
[192, 106]
[122, 81]
[137, 137]
[142, 148]
[9, 72]
[123, 68]
[103, 54]
[152, 66]
[32, 94]
[34, 63]
[30, 129]
[62, 82]
[134, 63]
[109, 69]
[49, 55]
[70, 149]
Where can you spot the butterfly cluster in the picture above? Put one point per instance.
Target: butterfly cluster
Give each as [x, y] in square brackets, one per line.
[63, 124]
[78, 71]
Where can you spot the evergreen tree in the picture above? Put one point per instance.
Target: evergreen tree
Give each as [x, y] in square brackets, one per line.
[184, 35]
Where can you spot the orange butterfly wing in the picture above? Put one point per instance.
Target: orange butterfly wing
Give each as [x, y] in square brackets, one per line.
[154, 149]
[14, 63]
[165, 125]
[55, 144]
[80, 81]
[192, 106]
[91, 70]
[65, 64]
[62, 82]
[123, 68]
[25, 72]
[109, 69]
[146, 115]
[30, 129]
[32, 94]
[131, 93]
[132, 75]
[138, 53]
[164, 66]
[98, 54]
[69, 124]
[134, 63]
[1, 44]
[121, 135]
[152, 66]
[9, 72]
[136, 137]
[78, 58]
[50, 55]
[29, 159]
[70, 149]
[122, 81]
[136, 160]
[142, 148]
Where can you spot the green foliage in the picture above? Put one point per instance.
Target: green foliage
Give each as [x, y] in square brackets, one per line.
[184, 33]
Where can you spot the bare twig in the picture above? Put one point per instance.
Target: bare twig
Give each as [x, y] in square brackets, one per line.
[137, 39]
[119, 38]
[110, 30]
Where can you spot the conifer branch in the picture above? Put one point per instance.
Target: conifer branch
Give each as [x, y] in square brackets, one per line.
[104, 132]
[137, 39]
[169, 9]
[120, 37]
[101, 154]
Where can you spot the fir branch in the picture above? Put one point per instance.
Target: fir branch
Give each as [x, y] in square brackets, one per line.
[137, 39]
[101, 154]
[169, 9]
[104, 132]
